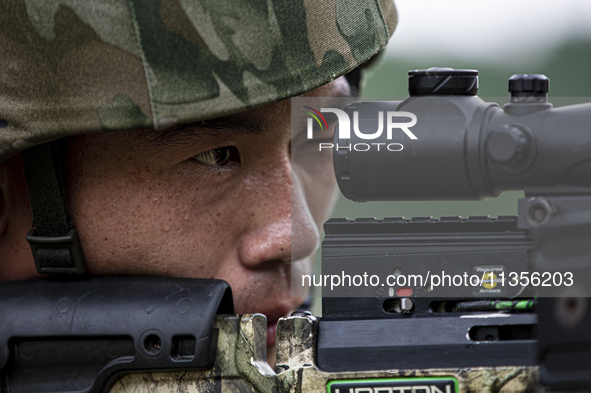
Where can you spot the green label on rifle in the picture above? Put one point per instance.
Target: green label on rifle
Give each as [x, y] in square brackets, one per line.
[394, 385]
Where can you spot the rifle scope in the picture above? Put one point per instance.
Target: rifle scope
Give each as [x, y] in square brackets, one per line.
[465, 148]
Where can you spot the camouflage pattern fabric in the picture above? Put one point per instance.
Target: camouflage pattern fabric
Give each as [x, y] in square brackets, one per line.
[69, 67]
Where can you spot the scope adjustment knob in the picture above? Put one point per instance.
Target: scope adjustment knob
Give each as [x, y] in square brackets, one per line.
[442, 81]
[529, 85]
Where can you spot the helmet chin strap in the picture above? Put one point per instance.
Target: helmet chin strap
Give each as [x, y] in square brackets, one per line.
[54, 241]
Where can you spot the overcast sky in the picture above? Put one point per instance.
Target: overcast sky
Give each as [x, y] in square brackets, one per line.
[478, 28]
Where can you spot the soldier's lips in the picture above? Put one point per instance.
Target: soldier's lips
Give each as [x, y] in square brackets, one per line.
[271, 332]
[273, 315]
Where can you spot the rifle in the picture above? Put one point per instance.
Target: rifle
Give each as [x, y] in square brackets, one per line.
[148, 334]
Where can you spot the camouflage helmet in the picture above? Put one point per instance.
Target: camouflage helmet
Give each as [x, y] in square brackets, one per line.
[70, 67]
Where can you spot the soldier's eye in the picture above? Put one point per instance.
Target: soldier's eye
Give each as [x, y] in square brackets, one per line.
[220, 157]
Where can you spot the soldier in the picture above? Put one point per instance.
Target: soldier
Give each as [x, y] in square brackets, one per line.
[168, 125]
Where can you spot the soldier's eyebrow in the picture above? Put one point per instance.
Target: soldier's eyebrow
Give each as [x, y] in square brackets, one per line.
[226, 125]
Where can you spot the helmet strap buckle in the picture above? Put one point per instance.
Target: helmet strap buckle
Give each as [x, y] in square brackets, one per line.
[54, 241]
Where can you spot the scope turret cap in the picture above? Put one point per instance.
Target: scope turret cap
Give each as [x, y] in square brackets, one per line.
[442, 81]
[69, 67]
[529, 85]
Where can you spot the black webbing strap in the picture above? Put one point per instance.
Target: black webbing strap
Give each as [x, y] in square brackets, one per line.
[54, 241]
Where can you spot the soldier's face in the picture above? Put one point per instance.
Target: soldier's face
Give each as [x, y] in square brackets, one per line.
[225, 200]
